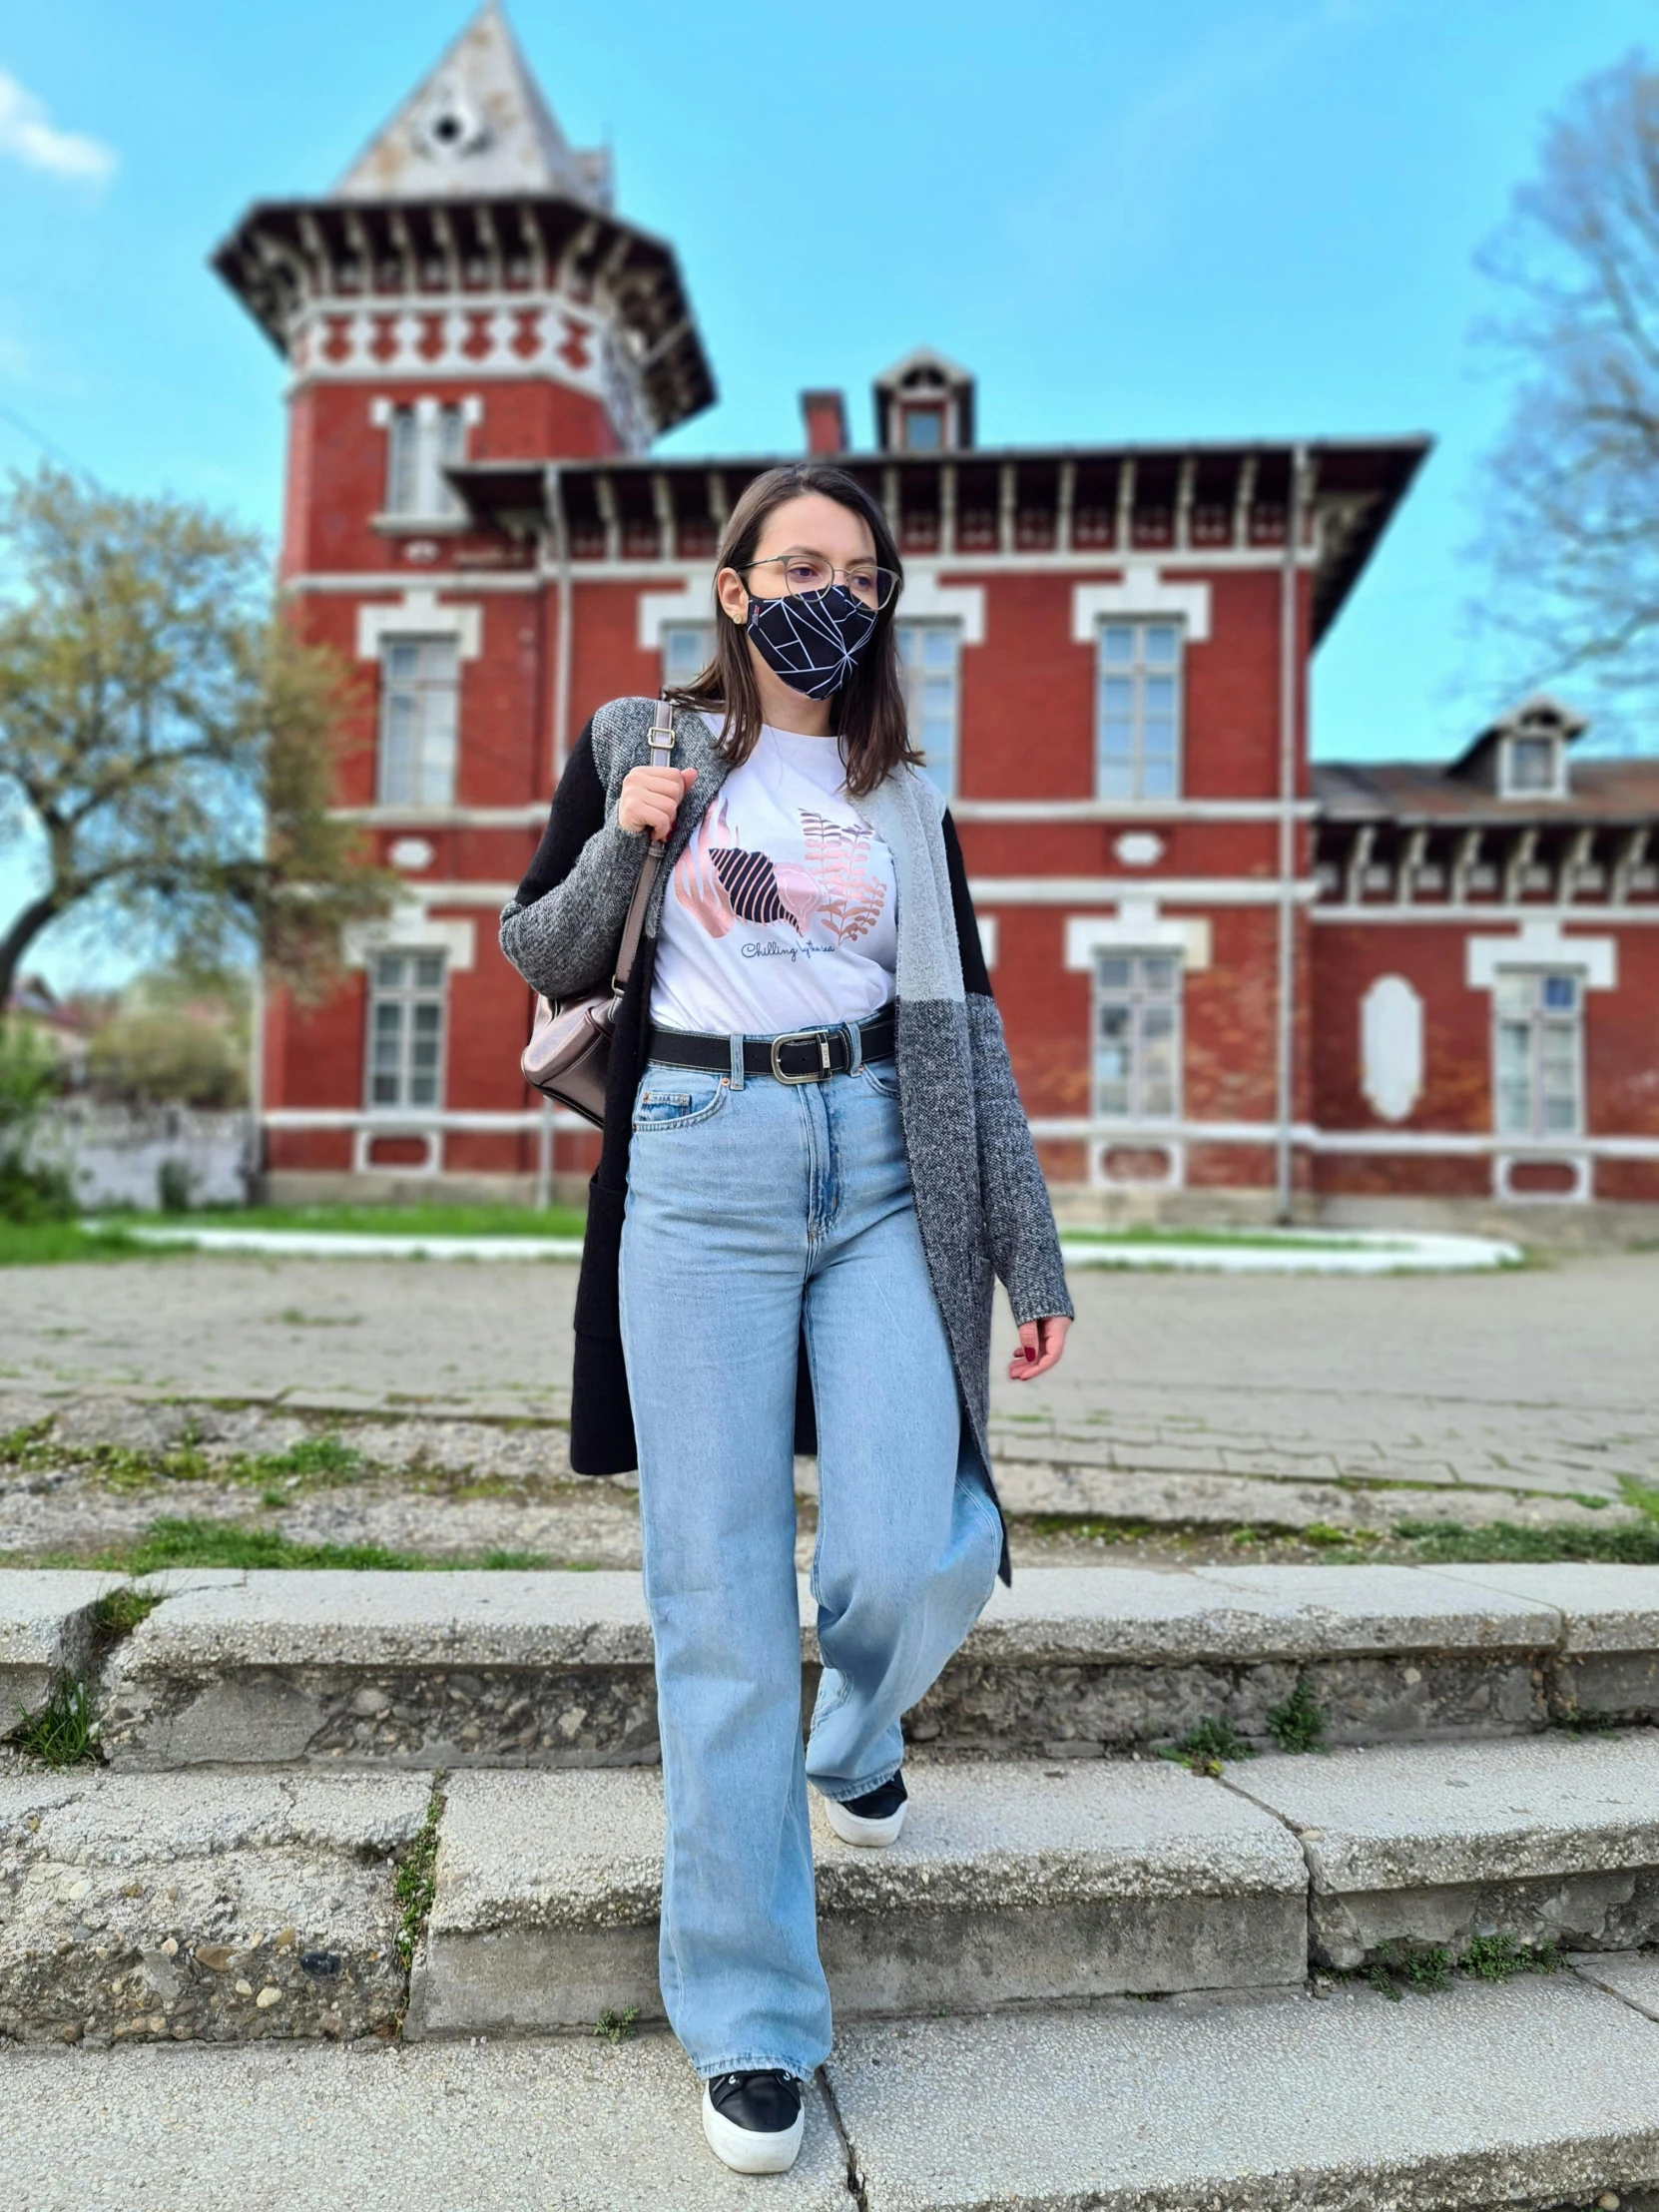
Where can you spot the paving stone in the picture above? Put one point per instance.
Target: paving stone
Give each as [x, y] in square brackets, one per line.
[565, 2126]
[1542, 2092]
[1630, 1975]
[1547, 1842]
[46, 1629]
[418, 1669]
[231, 1907]
[1009, 1884]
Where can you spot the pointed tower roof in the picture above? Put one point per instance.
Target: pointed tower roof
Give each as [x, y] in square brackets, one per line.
[477, 125]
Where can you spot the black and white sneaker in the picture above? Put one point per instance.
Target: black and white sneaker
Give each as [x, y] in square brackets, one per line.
[876, 1817]
[754, 2121]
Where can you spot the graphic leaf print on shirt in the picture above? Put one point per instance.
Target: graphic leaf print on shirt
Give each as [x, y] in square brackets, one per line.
[719, 883]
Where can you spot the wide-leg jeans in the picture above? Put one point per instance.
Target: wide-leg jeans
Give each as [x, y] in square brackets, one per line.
[756, 1207]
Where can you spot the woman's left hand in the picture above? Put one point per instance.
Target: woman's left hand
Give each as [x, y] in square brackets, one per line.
[1041, 1343]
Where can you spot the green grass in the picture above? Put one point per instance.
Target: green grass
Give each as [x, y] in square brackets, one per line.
[1206, 1744]
[178, 1540]
[1299, 1724]
[617, 2027]
[1444, 1543]
[34, 1243]
[395, 1221]
[62, 1732]
[314, 1463]
[417, 1879]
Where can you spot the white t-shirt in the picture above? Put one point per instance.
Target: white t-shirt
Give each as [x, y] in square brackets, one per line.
[780, 912]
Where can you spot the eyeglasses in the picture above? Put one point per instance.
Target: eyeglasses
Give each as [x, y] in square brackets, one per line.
[810, 572]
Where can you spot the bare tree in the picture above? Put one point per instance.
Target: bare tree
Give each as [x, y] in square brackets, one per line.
[165, 742]
[1573, 486]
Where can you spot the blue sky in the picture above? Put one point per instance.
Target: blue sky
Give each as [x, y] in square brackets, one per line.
[1206, 219]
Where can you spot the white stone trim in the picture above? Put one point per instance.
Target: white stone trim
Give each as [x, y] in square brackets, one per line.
[1616, 917]
[1137, 926]
[926, 599]
[1142, 592]
[1391, 1048]
[694, 602]
[409, 928]
[1538, 944]
[1580, 1163]
[1130, 810]
[987, 937]
[418, 615]
[1107, 890]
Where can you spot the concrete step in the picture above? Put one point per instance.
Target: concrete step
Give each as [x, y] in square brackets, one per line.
[1540, 2093]
[1011, 1883]
[47, 1629]
[554, 1669]
[1551, 1842]
[228, 1906]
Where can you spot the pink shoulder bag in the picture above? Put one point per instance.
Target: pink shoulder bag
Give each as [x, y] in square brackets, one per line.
[568, 1058]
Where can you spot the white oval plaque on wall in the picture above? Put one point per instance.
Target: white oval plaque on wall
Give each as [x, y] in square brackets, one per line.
[1391, 1047]
[1139, 849]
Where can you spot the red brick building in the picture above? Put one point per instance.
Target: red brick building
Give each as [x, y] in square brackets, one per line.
[1230, 980]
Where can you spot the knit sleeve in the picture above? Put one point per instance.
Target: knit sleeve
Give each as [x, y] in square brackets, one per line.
[1019, 1220]
[562, 927]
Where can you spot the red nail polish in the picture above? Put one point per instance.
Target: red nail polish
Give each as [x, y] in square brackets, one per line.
[1031, 1351]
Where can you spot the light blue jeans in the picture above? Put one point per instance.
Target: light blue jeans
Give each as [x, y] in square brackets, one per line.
[755, 1205]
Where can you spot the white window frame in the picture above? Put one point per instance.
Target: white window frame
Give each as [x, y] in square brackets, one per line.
[1137, 671]
[423, 437]
[1510, 787]
[674, 637]
[1540, 1020]
[432, 775]
[409, 993]
[945, 775]
[1139, 997]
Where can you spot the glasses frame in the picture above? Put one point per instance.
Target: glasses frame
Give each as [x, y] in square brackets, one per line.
[837, 575]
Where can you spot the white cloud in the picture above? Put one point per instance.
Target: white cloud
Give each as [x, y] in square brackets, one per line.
[29, 136]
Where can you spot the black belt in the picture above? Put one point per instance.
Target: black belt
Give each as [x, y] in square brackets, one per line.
[803, 1056]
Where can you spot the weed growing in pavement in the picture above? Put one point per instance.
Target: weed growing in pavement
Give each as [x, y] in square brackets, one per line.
[1430, 1970]
[1299, 1724]
[64, 1732]
[1447, 1543]
[617, 2027]
[180, 1541]
[1500, 1959]
[1206, 1745]
[417, 1880]
[1583, 1719]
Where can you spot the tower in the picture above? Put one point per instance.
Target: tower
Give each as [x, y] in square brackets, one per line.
[464, 294]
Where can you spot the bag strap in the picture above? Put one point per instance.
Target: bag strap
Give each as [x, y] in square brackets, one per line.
[661, 743]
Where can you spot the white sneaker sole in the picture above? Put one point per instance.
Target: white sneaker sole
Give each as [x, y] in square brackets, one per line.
[744, 2150]
[852, 1827]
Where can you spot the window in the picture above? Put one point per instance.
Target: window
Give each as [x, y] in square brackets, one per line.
[1539, 1051]
[930, 660]
[1138, 727]
[921, 429]
[688, 647]
[421, 442]
[405, 1029]
[1137, 1035]
[1532, 767]
[418, 684]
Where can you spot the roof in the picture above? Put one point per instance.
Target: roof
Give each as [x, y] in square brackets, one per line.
[1423, 794]
[1359, 483]
[476, 125]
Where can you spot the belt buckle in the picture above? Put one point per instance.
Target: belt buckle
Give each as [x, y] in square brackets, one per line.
[802, 1036]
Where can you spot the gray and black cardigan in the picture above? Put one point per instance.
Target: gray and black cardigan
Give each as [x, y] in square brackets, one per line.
[981, 1204]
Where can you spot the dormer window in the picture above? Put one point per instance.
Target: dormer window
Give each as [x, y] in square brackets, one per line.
[922, 430]
[1532, 767]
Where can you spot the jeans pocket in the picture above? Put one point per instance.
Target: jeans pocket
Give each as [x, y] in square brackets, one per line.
[678, 1098]
[882, 1076]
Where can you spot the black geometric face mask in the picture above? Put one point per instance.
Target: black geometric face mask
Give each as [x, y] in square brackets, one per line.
[814, 639]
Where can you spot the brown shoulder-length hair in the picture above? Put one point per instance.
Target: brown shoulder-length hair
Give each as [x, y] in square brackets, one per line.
[873, 729]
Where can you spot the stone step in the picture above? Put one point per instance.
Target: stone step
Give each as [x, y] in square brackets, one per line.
[226, 1907]
[47, 1629]
[1540, 2093]
[1547, 1842]
[554, 1669]
[1011, 1883]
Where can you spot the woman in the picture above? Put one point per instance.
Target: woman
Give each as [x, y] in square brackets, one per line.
[813, 1159]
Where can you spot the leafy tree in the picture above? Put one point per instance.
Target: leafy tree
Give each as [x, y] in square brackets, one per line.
[1574, 482]
[166, 738]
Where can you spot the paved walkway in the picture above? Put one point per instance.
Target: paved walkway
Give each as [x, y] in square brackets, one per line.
[1542, 1382]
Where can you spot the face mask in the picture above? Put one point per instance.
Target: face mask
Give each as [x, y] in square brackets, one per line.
[812, 639]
